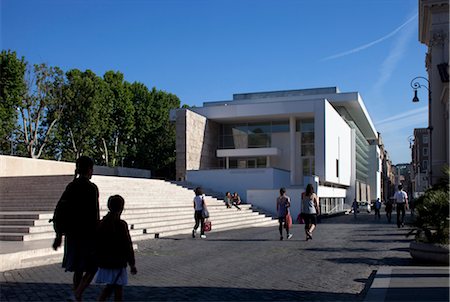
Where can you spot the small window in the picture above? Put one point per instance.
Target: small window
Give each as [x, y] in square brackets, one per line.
[337, 167]
[425, 139]
[425, 151]
[425, 165]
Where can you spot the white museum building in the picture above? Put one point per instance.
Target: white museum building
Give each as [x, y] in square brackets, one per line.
[258, 142]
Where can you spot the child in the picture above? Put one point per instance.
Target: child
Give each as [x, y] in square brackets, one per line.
[114, 251]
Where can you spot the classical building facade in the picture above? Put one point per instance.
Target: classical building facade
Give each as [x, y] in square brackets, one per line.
[258, 142]
[420, 154]
[434, 32]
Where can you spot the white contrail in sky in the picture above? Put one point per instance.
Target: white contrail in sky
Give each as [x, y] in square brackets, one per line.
[410, 119]
[395, 55]
[362, 47]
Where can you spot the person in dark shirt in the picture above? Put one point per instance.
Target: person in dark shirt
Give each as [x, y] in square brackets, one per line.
[81, 197]
[114, 250]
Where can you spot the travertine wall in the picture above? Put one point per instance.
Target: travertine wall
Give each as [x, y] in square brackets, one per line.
[196, 144]
[22, 166]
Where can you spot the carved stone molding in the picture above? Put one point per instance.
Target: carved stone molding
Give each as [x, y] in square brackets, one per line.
[428, 61]
[439, 39]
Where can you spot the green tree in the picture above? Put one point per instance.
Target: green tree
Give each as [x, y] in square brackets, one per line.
[121, 119]
[41, 107]
[86, 117]
[154, 135]
[12, 90]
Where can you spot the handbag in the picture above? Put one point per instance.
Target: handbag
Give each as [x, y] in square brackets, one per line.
[300, 219]
[207, 225]
[288, 222]
[205, 213]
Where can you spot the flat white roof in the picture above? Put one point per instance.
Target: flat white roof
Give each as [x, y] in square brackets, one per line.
[289, 100]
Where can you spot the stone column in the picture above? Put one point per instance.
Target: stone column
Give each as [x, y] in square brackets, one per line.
[438, 109]
[292, 145]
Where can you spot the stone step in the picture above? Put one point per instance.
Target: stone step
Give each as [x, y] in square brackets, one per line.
[37, 225]
[17, 233]
[190, 221]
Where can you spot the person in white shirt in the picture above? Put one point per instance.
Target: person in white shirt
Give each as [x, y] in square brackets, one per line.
[401, 200]
[199, 205]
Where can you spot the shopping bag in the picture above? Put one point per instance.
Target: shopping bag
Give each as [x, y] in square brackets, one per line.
[300, 219]
[207, 225]
[288, 222]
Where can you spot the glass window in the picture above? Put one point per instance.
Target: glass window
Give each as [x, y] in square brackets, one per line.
[233, 163]
[308, 138]
[251, 163]
[258, 140]
[228, 142]
[425, 151]
[307, 150]
[261, 162]
[278, 127]
[425, 165]
[308, 166]
[259, 128]
[307, 126]
[247, 162]
[242, 164]
[425, 139]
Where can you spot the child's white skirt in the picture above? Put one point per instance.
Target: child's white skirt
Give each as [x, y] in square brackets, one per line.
[116, 276]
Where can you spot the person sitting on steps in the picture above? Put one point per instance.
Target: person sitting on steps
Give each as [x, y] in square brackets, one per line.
[236, 201]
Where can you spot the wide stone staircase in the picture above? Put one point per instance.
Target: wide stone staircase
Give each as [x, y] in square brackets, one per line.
[153, 209]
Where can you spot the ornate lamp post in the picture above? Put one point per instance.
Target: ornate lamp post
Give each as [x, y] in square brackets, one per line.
[415, 84]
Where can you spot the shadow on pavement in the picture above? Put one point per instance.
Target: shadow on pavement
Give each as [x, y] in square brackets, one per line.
[54, 292]
[338, 250]
[389, 261]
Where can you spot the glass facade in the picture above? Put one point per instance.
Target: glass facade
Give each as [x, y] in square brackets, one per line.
[259, 135]
[306, 129]
[362, 154]
[249, 135]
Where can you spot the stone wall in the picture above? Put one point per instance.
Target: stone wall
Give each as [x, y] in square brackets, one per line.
[197, 140]
[22, 166]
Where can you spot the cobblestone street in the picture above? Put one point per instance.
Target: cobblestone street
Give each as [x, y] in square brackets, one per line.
[243, 265]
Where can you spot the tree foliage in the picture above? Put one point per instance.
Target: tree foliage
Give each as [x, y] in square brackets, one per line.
[432, 209]
[121, 124]
[12, 89]
[66, 115]
[40, 107]
[86, 117]
[154, 135]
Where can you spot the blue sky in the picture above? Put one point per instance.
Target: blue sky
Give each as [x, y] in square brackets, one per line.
[208, 50]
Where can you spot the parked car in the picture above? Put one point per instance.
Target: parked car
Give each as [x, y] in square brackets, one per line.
[364, 206]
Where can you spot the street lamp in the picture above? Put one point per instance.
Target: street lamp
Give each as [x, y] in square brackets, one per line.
[416, 85]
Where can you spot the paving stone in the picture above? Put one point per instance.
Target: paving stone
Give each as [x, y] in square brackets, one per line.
[242, 265]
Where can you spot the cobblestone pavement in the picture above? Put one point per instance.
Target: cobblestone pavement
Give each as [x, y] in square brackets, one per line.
[243, 265]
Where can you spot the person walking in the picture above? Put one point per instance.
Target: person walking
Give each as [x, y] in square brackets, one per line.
[388, 209]
[81, 218]
[310, 210]
[114, 250]
[199, 206]
[284, 217]
[377, 209]
[401, 201]
[355, 208]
